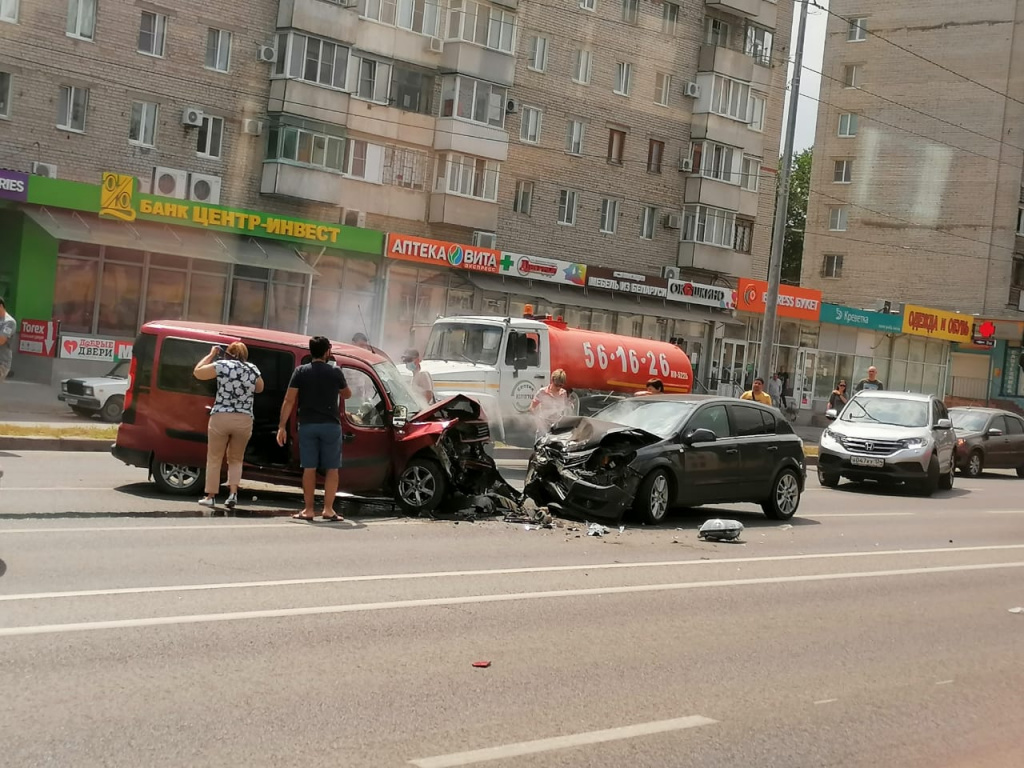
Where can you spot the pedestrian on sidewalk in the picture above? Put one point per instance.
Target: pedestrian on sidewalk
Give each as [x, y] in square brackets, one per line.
[230, 427]
[838, 398]
[871, 383]
[550, 403]
[775, 390]
[8, 325]
[318, 388]
[757, 393]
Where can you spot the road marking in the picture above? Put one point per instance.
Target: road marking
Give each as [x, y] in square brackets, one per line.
[944, 682]
[1006, 512]
[48, 489]
[864, 514]
[506, 597]
[488, 572]
[561, 742]
[826, 701]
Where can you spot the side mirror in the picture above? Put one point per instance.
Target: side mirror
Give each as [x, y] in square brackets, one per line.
[944, 424]
[995, 432]
[400, 417]
[831, 414]
[519, 363]
[700, 436]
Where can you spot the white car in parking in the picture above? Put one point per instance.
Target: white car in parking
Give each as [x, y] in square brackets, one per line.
[98, 394]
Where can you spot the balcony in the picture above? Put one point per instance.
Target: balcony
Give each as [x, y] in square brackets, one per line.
[463, 211]
[734, 63]
[297, 97]
[477, 61]
[325, 19]
[711, 192]
[297, 182]
[470, 138]
[749, 203]
[711, 258]
[390, 123]
[724, 130]
[764, 11]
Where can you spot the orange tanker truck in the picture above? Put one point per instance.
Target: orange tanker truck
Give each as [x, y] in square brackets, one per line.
[502, 362]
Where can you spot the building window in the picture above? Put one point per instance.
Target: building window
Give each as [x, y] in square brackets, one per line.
[744, 239]
[759, 45]
[843, 172]
[467, 176]
[832, 265]
[581, 67]
[623, 75]
[81, 19]
[306, 142]
[74, 101]
[852, 75]
[715, 161]
[9, 11]
[420, 16]
[5, 94]
[711, 226]
[630, 11]
[218, 50]
[482, 24]
[848, 125]
[756, 113]
[717, 32]
[669, 18]
[730, 98]
[538, 60]
[474, 100]
[750, 176]
[616, 145]
[857, 31]
[574, 139]
[1020, 220]
[523, 202]
[311, 59]
[837, 219]
[374, 79]
[655, 154]
[588, 5]
[647, 220]
[210, 137]
[412, 90]
[609, 215]
[405, 168]
[356, 165]
[142, 129]
[662, 88]
[152, 33]
[529, 126]
[567, 203]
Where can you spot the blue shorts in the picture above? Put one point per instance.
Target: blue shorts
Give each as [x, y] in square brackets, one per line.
[320, 446]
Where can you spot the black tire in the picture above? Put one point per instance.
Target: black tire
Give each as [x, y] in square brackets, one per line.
[784, 500]
[975, 464]
[653, 498]
[946, 481]
[83, 412]
[930, 485]
[421, 487]
[112, 409]
[827, 479]
[178, 479]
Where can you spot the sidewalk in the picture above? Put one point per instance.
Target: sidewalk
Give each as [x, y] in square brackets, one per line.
[28, 403]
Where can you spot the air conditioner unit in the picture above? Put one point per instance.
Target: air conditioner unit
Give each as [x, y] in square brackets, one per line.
[436, 45]
[686, 165]
[511, 106]
[192, 117]
[484, 239]
[354, 218]
[673, 221]
[170, 182]
[252, 127]
[692, 90]
[143, 186]
[266, 53]
[204, 188]
[671, 273]
[49, 170]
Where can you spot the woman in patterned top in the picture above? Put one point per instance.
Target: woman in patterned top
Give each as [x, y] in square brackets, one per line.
[238, 382]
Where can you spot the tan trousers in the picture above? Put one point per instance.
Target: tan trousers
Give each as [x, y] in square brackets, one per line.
[230, 433]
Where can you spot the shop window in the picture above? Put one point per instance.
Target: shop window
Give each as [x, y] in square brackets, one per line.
[206, 298]
[165, 295]
[284, 307]
[177, 360]
[248, 296]
[74, 299]
[495, 304]
[460, 301]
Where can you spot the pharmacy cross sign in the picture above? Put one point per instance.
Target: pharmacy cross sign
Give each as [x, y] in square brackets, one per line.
[506, 262]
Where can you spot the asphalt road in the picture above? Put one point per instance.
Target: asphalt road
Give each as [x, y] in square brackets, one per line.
[873, 630]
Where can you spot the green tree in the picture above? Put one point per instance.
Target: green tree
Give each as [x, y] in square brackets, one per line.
[796, 217]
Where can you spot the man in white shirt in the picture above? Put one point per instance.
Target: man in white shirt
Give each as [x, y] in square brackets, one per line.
[8, 325]
[775, 390]
[420, 378]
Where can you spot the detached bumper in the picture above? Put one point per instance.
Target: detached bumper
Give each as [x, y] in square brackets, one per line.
[80, 401]
[548, 484]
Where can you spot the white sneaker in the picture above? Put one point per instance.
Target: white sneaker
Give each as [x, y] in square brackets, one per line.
[209, 501]
[231, 501]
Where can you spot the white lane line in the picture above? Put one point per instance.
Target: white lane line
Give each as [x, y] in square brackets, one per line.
[862, 514]
[561, 742]
[944, 682]
[47, 489]
[434, 602]
[826, 701]
[213, 526]
[1006, 512]
[489, 572]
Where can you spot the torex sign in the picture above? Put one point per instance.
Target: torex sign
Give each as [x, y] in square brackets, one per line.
[937, 323]
[438, 253]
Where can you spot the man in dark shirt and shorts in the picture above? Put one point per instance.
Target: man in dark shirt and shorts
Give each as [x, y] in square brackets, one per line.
[318, 387]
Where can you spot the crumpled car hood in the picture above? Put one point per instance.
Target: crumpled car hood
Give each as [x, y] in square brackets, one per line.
[454, 407]
[583, 432]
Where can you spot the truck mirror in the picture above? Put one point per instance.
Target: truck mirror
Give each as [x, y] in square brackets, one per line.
[519, 363]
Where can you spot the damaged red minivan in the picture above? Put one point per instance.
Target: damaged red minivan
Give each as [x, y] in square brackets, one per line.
[394, 445]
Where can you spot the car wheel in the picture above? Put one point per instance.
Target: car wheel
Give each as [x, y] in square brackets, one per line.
[975, 464]
[178, 479]
[83, 412]
[421, 487]
[930, 485]
[112, 409]
[785, 498]
[946, 481]
[827, 479]
[653, 497]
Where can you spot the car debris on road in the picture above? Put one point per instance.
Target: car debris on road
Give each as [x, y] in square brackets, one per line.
[720, 530]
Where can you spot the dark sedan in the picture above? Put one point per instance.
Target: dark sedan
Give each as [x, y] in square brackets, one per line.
[987, 438]
[651, 454]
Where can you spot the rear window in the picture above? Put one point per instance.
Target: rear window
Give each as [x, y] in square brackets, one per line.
[142, 354]
[1014, 426]
[749, 421]
[178, 357]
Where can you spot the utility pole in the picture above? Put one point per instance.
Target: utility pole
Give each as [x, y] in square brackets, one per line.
[764, 358]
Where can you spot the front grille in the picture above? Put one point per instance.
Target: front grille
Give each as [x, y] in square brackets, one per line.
[76, 388]
[871, 447]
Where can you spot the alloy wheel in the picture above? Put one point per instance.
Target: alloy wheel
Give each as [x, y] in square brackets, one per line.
[417, 486]
[178, 476]
[787, 494]
[659, 497]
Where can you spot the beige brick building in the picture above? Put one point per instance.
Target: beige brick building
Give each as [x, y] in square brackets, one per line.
[916, 187]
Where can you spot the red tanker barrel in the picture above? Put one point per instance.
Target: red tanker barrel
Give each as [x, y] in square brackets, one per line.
[607, 361]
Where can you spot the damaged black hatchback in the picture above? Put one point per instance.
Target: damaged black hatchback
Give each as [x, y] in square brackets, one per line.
[653, 454]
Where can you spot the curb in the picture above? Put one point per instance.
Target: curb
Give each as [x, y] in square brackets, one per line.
[80, 444]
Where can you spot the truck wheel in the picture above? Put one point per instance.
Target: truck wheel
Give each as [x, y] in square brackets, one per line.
[653, 497]
[178, 479]
[785, 498]
[112, 409]
[421, 487]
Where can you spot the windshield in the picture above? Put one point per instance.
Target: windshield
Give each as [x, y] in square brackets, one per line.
[897, 413]
[968, 421]
[468, 342]
[398, 391]
[661, 418]
[119, 371]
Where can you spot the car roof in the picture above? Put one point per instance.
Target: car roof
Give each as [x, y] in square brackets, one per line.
[980, 409]
[698, 399]
[894, 395]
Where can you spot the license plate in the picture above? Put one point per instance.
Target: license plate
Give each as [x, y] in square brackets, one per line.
[71, 400]
[864, 461]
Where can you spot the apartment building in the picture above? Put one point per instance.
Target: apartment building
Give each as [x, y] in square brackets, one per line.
[916, 191]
